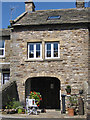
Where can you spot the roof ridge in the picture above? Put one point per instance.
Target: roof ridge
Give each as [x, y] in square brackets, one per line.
[60, 9]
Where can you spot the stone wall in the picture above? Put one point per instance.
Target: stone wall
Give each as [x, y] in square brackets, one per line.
[5, 61]
[5, 35]
[71, 68]
[7, 52]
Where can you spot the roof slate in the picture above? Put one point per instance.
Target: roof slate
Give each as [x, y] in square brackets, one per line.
[75, 15]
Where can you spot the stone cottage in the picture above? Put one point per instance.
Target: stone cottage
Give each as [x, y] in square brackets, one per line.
[45, 51]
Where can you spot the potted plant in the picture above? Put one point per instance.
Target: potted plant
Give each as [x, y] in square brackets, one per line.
[37, 96]
[12, 106]
[68, 89]
[20, 110]
[72, 105]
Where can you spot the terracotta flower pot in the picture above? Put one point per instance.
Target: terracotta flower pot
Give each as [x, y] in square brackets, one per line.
[71, 111]
[68, 93]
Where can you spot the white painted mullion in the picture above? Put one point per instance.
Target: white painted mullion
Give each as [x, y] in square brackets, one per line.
[4, 52]
[40, 50]
[59, 50]
[52, 52]
[4, 47]
[46, 50]
[28, 50]
[34, 50]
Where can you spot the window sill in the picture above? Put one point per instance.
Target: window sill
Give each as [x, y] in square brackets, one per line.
[52, 59]
[42, 60]
[3, 57]
[32, 60]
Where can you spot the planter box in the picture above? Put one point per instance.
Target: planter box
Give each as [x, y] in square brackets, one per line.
[71, 111]
[30, 102]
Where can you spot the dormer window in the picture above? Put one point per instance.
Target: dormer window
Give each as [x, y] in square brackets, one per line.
[34, 50]
[2, 48]
[54, 17]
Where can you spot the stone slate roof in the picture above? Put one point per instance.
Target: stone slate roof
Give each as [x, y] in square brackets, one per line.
[4, 32]
[40, 17]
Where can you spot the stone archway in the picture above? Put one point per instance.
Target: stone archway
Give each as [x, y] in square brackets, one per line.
[49, 87]
[21, 83]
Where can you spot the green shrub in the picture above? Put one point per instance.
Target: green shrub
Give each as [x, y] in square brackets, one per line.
[73, 100]
[19, 111]
[12, 104]
[16, 104]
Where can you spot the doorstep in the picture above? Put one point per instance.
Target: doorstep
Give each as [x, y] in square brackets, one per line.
[48, 114]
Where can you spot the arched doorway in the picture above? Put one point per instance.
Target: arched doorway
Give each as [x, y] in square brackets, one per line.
[49, 88]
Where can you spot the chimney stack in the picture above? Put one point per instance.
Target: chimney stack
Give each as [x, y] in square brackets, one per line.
[80, 3]
[29, 6]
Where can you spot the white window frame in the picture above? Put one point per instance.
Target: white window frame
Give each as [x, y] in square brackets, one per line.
[3, 49]
[35, 51]
[52, 50]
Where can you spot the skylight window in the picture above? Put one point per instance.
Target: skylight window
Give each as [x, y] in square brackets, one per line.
[54, 17]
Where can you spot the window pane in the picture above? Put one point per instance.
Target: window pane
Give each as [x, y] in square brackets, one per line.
[1, 43]
[55, 46]
[31, 47]
[31, 51]
[37, 46]
[55, 53]
[48, 53]
[48, 46]
[37, 50]
[55, 49]
[2, 52]
[37, 54]
[31, 54]
[6, 77]
[48, 50]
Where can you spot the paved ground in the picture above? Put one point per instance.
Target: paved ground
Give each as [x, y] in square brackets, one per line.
[43, 119]
[50, 115]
